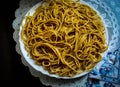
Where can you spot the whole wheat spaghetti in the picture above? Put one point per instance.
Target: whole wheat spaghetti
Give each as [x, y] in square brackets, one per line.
[64, 37]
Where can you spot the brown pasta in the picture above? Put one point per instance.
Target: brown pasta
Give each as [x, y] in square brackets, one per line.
[65, 37]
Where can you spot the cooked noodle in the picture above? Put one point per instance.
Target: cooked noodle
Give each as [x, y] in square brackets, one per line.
[64, 37]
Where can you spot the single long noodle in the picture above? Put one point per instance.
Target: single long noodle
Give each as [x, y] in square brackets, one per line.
[65, 37]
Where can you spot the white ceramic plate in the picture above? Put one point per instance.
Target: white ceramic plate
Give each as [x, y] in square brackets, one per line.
[31, 61]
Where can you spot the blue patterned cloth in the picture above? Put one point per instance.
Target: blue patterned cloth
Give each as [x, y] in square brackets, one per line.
[107, 73]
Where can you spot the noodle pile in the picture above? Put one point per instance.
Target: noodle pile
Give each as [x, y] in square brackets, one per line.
[64, 37]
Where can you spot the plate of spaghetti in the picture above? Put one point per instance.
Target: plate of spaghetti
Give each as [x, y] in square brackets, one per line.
[63, 38]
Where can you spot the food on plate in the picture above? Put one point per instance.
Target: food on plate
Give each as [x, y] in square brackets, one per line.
[65, 37]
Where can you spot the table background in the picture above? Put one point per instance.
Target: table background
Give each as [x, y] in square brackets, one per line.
[12, 71]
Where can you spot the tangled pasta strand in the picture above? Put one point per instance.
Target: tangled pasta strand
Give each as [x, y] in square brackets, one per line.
[64, 37]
